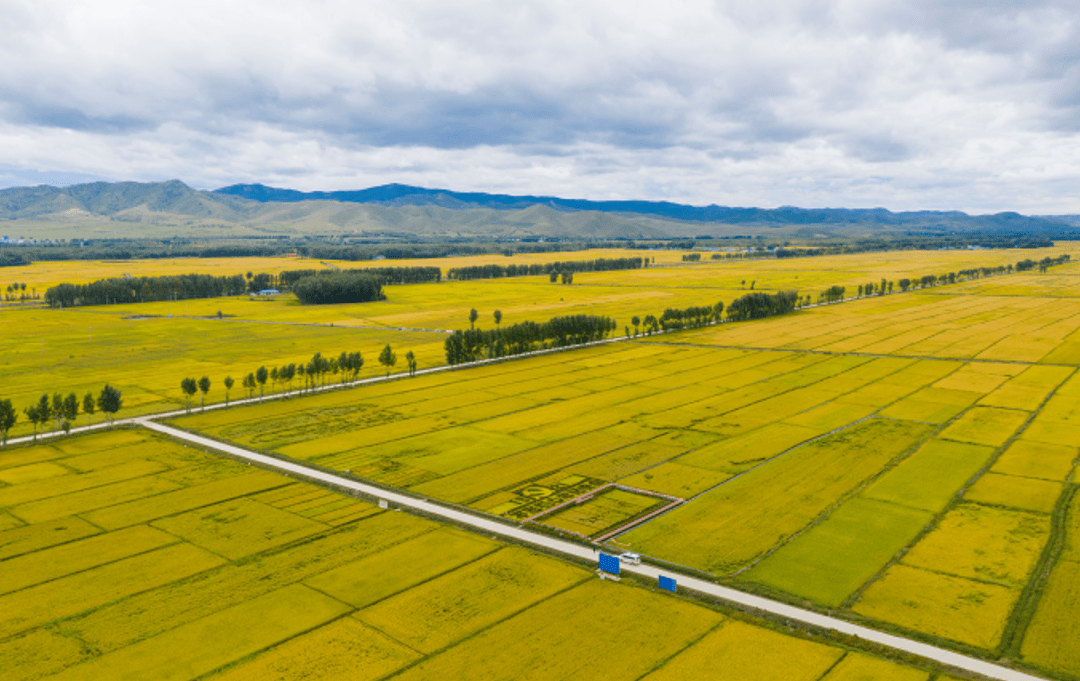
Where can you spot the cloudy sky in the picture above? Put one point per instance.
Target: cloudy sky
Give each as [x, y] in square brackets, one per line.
[971, 105]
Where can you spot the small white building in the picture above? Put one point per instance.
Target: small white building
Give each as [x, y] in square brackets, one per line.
[269, 292]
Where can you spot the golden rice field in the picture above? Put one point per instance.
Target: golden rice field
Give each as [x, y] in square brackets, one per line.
[42, 275]
[148, 348]
[903, 459]
[890, 457]
[125, 555]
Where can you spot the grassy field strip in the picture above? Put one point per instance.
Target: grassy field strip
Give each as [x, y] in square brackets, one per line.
[1046, 638]
[518, 534]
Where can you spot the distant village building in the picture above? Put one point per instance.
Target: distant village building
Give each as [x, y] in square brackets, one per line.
[269, 292]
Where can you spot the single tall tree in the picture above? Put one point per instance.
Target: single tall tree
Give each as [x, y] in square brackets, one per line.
[411, 359]
[249, 384]
[89, 405]
[71, 410]
[57, 409]
[261, 374]
[228, 386]
[32, 415]
[473, 316]
[204, 387]
[45, 411]
[498, 317]
[8, 417]
[110, 401]
[189, 387]
[636, 321]
[388, 359]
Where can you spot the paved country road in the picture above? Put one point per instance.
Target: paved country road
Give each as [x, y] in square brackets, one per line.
[570, 549]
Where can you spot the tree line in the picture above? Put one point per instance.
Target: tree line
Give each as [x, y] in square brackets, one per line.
[385, 275]
[474, 344]
[1043, 265]
[18, 292]
[61, 411]
[552, 268]
[120, 290]
[338, 287]
[295, 377]
[12, 259]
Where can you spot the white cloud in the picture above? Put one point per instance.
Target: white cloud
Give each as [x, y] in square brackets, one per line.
[972, 106]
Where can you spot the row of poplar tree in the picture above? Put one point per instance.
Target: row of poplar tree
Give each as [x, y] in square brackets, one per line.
[61, 411]
[310, 375]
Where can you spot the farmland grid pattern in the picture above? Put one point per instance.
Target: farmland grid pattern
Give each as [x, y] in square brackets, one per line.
[933, 373]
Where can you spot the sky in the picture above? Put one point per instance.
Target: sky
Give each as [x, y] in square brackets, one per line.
[903, 104]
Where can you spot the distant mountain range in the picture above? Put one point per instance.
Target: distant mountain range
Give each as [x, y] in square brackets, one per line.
[405, 195]
[402, 211]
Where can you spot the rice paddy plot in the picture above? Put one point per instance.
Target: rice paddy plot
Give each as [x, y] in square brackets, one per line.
[452, 607]
[1050, 641]
[20, 539]
[953, 608]
[474, 483]
[931, 476]
[986, 426]
[731, 525]
[1029, 494]
[1027, 389]
[371, 579]
[38, 605]
[932, 405]
[345, 648]
[159, 610]
[73, 557]
[988, 544]
[676, 479]
[198, 647]
[568, 636]
[737, 651]
[834, 558]
[1036, 460]
[74, 503]
[858, 667]
[738, 454]
[238, 527]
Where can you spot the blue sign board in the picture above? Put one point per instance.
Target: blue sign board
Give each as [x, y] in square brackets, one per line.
[609, 563]
[667, 583]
